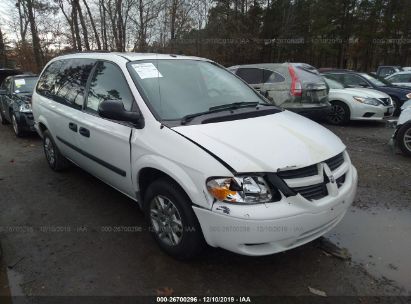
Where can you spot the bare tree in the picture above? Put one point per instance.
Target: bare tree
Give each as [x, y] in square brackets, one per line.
[93, 25]
[34, 34]
[77, 6]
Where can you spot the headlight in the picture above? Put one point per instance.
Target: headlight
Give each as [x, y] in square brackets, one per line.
[242, 190]
[25, 108]
[369, 101]
[408, 95]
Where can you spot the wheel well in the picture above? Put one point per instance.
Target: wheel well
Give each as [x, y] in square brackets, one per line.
[148, 175]
[42, 127]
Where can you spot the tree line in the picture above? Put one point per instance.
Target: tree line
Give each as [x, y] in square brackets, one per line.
[356, 34]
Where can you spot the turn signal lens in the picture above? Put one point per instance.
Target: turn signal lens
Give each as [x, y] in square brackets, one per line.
[243, 190]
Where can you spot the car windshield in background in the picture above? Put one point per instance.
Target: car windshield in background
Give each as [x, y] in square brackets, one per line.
[175, 88]
[333, 84]
[376, 80]
[24, 85]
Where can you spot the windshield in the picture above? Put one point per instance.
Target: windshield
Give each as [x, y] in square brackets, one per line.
[24, 85]
[376, 80]
[175, 88]
[333, 84]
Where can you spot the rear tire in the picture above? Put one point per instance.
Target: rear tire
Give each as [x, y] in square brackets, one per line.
[404, 138]
[172, 221]
[55, 159]
[339, 113]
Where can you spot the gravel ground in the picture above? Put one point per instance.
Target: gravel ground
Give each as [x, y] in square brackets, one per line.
[82, 258]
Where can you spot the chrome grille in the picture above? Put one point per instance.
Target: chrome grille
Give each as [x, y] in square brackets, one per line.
[340, 181]
[298, 173]
[312, 192]
[386, 101]
[336, 161]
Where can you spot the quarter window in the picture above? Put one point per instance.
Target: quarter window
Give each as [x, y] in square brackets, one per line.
[274, 78]
[108, 83]
[71, 82]
[47, 82]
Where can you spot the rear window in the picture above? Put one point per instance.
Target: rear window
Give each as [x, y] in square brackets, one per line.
[307, 73]
[24, 85]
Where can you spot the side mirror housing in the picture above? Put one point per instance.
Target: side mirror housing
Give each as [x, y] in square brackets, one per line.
[114, 109]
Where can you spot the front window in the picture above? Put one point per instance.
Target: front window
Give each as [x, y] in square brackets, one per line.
[376, 80]
[24, 85]
[176, 88]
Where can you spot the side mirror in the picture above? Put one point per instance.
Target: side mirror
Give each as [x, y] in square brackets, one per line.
[114, 109]
[3, 92]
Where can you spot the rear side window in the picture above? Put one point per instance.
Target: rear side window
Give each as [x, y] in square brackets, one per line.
[108, 83]
[71, 82]
[47, 81]
[252, 75]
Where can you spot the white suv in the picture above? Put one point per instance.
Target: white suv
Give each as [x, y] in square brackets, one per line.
[204, 155]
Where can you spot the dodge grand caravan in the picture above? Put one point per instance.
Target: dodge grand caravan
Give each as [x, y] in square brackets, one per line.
[205, 156]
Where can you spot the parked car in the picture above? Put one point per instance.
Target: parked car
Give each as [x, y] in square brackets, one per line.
[297, 87]
[400, 79]
[366, 80]
[206, 158]
[386, 70]
[402, 135]
[356, 103]
[15, 103]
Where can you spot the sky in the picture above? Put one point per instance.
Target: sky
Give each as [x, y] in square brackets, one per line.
[6, 8]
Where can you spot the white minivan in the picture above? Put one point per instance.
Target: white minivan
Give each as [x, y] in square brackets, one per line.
[205, 156]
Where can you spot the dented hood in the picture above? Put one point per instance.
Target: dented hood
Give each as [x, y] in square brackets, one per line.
[267, 143]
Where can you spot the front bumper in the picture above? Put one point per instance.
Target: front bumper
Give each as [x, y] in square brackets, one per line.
[25, 121]
[369, 112]
[270, 228]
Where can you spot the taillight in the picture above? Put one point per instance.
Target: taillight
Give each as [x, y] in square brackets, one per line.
[296, 87]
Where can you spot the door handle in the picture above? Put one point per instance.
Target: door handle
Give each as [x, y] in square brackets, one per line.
[73, 126]
[85, 132]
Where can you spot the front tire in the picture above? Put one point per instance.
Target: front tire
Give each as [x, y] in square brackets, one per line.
[339, 113]
[16, 128]
[3, 120]
[404, 138]
[172, 221]
[55, 159]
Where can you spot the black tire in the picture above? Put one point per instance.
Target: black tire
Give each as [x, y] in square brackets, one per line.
[3, 120]
[191, 240]
[339, 113]
[54, 158]
[16, 127]
[404, 133]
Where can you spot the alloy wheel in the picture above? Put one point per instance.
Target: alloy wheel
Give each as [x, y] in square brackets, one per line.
[166, 220]
[336, 114]
[49, 150]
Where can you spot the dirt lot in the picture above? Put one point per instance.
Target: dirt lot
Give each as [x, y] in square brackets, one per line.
[56, 239]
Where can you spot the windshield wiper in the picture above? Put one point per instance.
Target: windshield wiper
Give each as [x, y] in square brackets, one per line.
[231, 106]
[234, 105]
